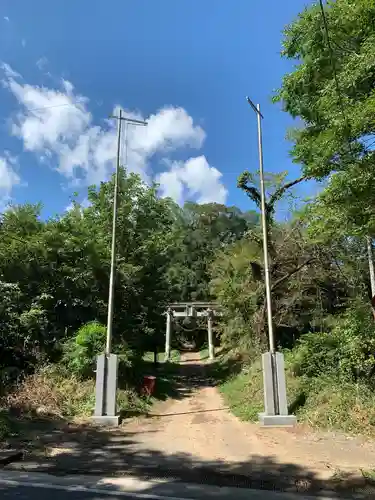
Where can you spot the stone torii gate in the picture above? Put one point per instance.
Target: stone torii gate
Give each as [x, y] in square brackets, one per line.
[191, 310]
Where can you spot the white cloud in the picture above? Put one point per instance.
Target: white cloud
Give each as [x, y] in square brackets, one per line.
[169, 129]
[8, 178]
[84, 204]
[42, 63]
[6, 18]
[9, 72]
[57, 126]
[197, 177]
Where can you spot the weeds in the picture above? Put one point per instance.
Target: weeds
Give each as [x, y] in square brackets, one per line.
[54, 392]
[323, 402]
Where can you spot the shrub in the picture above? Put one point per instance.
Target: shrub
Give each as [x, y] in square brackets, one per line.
[52, 391]
[339, 404]
[315, 354]
[347, 352]
[80, 351]
[355, 332]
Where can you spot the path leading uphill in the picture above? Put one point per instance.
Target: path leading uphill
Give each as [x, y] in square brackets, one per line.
[192, 437]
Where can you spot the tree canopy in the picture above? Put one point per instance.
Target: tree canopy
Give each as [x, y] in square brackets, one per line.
[331, 93]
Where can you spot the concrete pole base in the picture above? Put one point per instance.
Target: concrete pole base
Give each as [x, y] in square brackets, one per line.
[274, 387]
[277, 420]
[105, 411]
[107, 420]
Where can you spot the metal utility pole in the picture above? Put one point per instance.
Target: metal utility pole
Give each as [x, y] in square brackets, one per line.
[267, 275]
[127, 121]
[274, 384]
[105, 411]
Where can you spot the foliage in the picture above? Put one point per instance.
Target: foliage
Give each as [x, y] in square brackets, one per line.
[56, 392]
[332, 93]
[52, 391]
[324, 402]
[54, 275]
[80, 351]
[347, 352]
[200, 232]
[316, 354]
[307, 286]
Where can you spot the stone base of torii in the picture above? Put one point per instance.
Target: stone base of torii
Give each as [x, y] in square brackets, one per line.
[191, 310]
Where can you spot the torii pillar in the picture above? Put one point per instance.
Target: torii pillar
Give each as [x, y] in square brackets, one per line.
[168, 331]
[211, 351]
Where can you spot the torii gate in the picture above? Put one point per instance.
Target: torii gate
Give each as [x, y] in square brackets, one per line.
[192, 310]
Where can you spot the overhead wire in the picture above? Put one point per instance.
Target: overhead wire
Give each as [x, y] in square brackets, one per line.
[56, 106]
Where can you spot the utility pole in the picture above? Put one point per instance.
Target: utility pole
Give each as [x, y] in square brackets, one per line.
[107, 363]
[267, 275]
[274, 384]
[127, 121]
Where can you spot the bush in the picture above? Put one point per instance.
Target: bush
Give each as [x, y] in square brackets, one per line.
[80, 351]
[355, 332]
[339, 404]
[347, 352]
[52, 391]
[55, 392]
[315, 354]
[322, 402]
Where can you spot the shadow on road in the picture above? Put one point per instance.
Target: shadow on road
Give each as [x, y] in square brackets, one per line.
[178, 381]
[59, 447]
[68, 449]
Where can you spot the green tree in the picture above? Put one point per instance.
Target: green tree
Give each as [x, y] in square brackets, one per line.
[331, 92]
[200, 232]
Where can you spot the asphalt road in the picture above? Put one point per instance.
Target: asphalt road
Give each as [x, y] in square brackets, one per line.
[36, 486]
[35, 493]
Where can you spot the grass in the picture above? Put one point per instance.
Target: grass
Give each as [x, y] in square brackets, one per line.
[54, 393]
[369, 475]
[322, 403]
[203, 353]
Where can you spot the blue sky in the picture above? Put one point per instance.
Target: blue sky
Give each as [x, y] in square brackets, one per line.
[184, 65]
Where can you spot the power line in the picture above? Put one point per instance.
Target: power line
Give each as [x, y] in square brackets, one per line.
[56, 106]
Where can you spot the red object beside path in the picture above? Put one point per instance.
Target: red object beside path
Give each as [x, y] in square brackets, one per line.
[148, 385]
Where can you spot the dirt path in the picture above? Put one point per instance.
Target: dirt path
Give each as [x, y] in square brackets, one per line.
[192, 437]
[200, 425]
